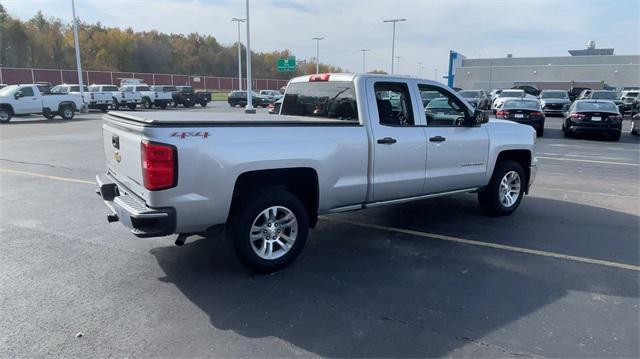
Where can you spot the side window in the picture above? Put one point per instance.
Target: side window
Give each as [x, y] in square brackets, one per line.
[394, 104]
[441, 108]
[27, 91]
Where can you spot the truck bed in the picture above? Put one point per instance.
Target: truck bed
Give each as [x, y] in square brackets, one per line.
[179, 119]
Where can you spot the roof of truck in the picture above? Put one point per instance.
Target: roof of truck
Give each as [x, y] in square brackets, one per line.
[349, 77]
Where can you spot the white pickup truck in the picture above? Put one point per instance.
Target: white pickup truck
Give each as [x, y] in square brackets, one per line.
[343, 142]
[93, 97]
[151, 98]
[27, 99]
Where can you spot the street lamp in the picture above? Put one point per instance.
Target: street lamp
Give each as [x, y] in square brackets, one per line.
[249, 108]
[363, 63]
[239, 52]
[393, 39]
[398, 58]
[419, 69]
[77, 45]
[318, 52]
[435, 74]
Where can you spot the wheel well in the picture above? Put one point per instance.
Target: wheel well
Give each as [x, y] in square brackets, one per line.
[523, 157]
[8, 107]
[63, 104]
[301, 181]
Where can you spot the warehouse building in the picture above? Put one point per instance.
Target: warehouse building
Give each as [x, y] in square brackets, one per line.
[591, 67]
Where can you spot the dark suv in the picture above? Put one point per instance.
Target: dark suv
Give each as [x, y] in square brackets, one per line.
[239, 98]
[187, 97]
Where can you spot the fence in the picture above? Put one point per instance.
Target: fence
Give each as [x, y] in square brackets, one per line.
[13, 75]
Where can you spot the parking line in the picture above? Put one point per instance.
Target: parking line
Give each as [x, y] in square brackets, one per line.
[66, 179]
[486, 244]
[590, 161]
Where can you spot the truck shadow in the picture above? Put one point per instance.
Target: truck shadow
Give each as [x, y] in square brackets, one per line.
[357, 292]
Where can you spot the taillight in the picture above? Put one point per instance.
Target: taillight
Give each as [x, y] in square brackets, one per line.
[159, 163]
[576, 116]
[615, 118]
[319, 77]
[535, 113]
[502, 113]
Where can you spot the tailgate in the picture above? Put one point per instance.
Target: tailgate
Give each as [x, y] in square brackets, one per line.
[121, 142]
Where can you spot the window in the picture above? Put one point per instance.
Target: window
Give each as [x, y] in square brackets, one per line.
[445, 110]
[26, 92]
[126, 89]
[142, 88]
[394, 104]
[596, 106]
[321, 99]
[521, 105]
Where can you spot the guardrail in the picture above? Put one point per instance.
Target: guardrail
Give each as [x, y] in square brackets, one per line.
[14, 75]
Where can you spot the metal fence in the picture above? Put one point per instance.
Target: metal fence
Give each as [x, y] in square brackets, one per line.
[13, 75]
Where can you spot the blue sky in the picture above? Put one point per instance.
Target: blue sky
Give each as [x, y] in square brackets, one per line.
[474, 28]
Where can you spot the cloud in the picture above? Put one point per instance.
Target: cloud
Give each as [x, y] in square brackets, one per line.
[485, 28]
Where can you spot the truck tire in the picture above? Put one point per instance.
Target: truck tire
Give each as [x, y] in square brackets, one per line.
[203, 104]
[49, 115]
[146, 103]
[616, 136]
[104, 108]
[66, 112]
[5, 115]
[505, 190]
[115, 105]
[540, 131]
[268, 230]
[163, 106]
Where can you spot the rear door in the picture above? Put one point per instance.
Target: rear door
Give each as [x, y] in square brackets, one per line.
[456, 155]
[399, 146]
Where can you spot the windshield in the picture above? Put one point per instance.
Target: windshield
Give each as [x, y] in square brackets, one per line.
[524, 105]
[187, 89]
[605, 95]
[511, 94]
[9, 90]
[554, 94]
[632, 94]
[469, 94]
[323, 100]
[597, 106]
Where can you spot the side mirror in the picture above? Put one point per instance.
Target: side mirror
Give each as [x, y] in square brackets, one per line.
[17, 95]
[479, 117]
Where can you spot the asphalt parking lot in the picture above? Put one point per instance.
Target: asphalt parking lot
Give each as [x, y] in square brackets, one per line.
[559, 278]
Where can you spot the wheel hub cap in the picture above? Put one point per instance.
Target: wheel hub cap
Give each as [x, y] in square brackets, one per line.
[273, 232]
[509, 189]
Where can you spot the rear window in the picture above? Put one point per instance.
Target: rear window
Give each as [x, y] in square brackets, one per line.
[632, 94]
[554, 94]
[104, 88]
[605, 95]
[524, 105]
[596, 106]
[511, 94]
[469, 94]
[77, 88]
[188, 89]
[322, 100]
[142, 88]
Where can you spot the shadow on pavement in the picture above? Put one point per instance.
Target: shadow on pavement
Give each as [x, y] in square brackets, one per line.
[356, 292]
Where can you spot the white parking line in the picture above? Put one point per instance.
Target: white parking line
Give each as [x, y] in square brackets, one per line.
[487, 244]
[66, 179]
[589, 161]
[583, 192]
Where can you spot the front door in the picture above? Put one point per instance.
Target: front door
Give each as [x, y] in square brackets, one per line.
[28, 102]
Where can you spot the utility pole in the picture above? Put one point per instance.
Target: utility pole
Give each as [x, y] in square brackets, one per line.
[398, 69]
[318, 52]
[249, 108]
[435, 74]
[239, 53]
[419, 69]
[393, 39]
[364, 70]
[78, 63]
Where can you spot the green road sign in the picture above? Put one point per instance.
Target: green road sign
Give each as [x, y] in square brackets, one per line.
[288, 64]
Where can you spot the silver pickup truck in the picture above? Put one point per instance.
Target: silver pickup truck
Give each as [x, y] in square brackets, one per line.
[342, 142]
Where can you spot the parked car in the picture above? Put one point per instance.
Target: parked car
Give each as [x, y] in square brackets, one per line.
[239, 98]
[329, 151]
[505, 94]
[494, 94]
[128, 98]
[606, 95]
[627, 97]
[575, 92]
[150, 98]
[584, 94]
[635, 123]
[525, 111]
[554, 102]
[95, 99]
[531, 90]
[593, 116]
[167, 89]
[272, 95]
[27, 99]
[2, 86]
[274, 107]
[118, 98]
[427, 96]
[201, 98]
[477, 98]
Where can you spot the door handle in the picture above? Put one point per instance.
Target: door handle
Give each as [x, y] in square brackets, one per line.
[437, 139]
[387, 141]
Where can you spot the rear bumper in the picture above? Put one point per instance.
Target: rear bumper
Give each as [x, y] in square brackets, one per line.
[132, 212]
[595, 128]
[159, 102]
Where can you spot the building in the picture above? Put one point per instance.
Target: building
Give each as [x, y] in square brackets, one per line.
[592, 67]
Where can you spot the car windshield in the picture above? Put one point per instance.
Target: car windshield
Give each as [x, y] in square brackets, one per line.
[321, 99]
[554, 94]
[8, 90]
[632, 94]
[605, 95]
[521, 104]
[511, 94]
[597, 106]
[469, 94]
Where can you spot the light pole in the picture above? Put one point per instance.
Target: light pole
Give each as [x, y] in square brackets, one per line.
[398, 69]
[318, 52]
[239, 53]
[422, 67]
[363, 63]
[249, 108]
[435, 74]
[77, 45]
[419, 69]
[393, 39]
